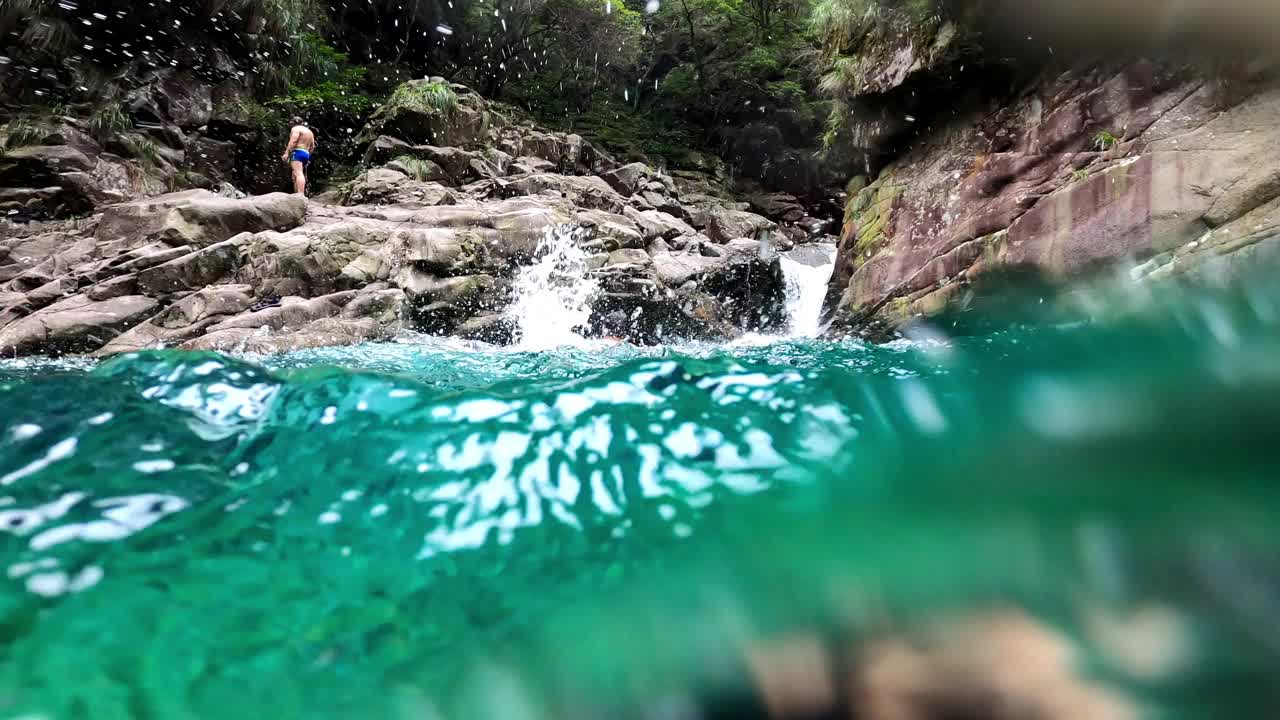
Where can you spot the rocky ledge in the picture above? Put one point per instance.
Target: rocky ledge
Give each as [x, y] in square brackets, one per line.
[429, 238]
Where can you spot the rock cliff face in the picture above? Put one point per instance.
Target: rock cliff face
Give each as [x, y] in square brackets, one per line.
[1135, 163]
[453, 204]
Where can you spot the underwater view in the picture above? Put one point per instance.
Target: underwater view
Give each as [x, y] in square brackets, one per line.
[431, 528]
[639, 359]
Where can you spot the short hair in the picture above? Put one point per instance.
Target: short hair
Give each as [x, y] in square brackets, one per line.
[296, 120]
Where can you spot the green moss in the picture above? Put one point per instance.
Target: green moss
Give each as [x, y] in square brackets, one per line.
[869, 213]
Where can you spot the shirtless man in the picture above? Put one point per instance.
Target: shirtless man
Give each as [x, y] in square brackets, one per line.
[302, 142]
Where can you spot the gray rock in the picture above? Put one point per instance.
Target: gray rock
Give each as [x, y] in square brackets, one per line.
[183, 320]
[196, 269]
[627, 179]
[629, 256]
[724, 225]
[658, 224]
[585, 191]
[198, 217]
[492, 328]
[76, 324]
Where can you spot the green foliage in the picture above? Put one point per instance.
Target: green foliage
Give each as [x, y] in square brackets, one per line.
[760, 62]
[1080, 175]
[430, 97]
[1104, 141]
[787, 92]
[21, 132]
[143, 149]
[326, 96]
[107, 121]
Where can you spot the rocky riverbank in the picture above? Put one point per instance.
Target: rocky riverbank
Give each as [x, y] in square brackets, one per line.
[452, 205]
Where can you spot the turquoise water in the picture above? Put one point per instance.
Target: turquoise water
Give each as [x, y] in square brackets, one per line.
[425, 529]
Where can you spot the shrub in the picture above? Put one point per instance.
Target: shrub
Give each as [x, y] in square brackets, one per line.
[431, 97]
[21, 132]
[107, 121]
[143, 149]
[1104, 141]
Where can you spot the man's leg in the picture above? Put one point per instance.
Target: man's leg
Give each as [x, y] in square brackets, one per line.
[299, 177]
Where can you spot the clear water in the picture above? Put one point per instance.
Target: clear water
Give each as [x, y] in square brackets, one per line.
[429, 528]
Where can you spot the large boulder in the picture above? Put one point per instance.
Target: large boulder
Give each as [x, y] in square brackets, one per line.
[186, 100]
[316, 260]
[196, 269]
[391, 186]
[724, 225]
[75, 325]
[198, 217]
[432, 113]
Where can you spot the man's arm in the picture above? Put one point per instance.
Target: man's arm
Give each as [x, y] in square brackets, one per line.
[293, 142]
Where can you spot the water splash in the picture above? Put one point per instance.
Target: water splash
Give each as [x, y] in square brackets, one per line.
[807, 270]
[553, 296]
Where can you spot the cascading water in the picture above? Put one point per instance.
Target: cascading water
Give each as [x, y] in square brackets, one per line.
[553, 296]
[807, 270]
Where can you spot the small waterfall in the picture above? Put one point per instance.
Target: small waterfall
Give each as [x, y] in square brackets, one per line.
[553, 296]
[807, 270]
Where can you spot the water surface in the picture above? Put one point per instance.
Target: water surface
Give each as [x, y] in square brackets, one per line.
[428, 526]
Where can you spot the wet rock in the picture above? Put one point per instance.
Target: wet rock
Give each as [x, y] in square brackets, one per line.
[186, 101]
[467, 292]
[462, 126]
[609, 231]
[343, 318]
[113, 288]
[628, 256]
[75, 324]
[779, 207]
[316, 260]
[491, 328]
[51, 158]
[544, 146]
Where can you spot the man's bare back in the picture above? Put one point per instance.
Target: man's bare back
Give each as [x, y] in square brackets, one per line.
[305, 139]
[302, 143]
